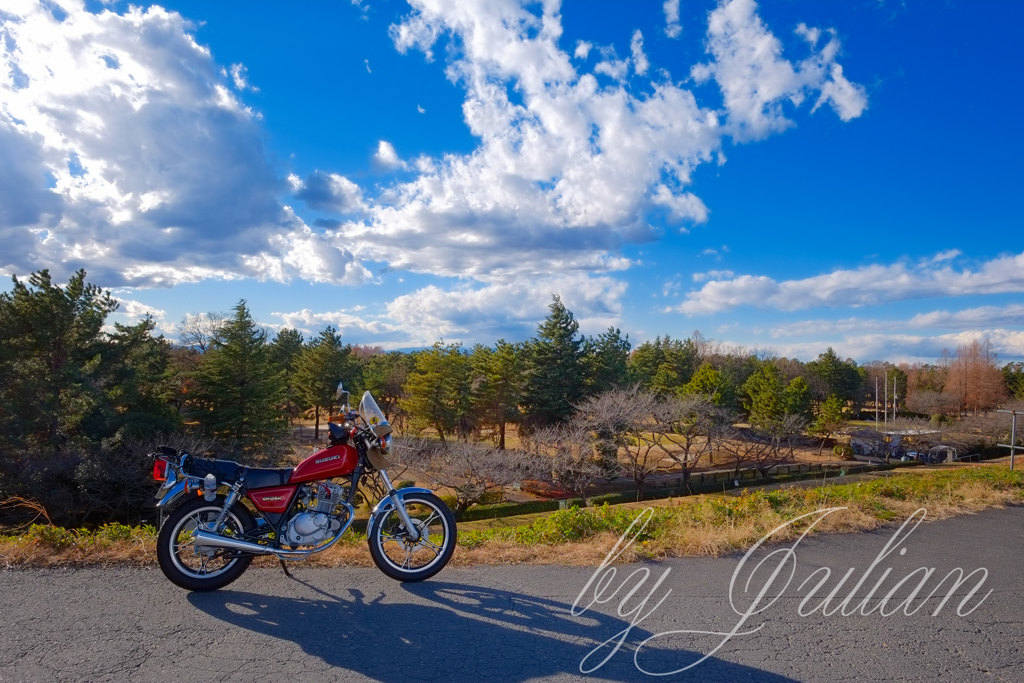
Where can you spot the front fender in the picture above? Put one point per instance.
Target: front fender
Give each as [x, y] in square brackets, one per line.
[386, 504]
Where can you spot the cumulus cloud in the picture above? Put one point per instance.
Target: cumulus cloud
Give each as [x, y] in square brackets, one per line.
[1011, 315]
[910, 348]
[387, 156]
[566, 170]
[239, 76]
[869, 285]
[756, 80]
[672, 26]
[328, 192]
[712, 275]
[636, 47]
[350, 324]
[505, 310]
[126, 152]
[136, 310]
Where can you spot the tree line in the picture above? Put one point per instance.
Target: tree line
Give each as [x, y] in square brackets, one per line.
[80, 399]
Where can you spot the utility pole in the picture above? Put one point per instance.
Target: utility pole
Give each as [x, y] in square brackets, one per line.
[895, 398]
[887, 402]
[876, 403]
[1013, 436]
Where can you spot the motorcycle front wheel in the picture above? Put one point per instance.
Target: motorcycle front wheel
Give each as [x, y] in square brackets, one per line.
[397, 555]
[197, 568]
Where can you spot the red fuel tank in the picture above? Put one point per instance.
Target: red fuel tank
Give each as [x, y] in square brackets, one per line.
[336, 461]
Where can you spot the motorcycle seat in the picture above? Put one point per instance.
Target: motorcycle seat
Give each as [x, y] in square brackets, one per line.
[265, 478]
[226, 471]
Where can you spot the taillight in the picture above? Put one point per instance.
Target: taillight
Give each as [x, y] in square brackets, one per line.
[160, 467]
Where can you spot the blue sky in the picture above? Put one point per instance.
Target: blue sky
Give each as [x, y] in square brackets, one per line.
[784, 175]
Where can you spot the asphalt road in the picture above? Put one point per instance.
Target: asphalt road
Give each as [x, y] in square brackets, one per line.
[514, 623]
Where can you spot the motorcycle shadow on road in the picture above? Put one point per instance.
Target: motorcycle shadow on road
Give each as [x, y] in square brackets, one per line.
[454, 632]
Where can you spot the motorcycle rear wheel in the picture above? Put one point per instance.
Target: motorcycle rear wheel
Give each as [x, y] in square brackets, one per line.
[403, 559]
[190, 567]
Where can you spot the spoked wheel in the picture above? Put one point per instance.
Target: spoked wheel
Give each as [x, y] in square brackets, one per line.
[198, 568]
[397, 555]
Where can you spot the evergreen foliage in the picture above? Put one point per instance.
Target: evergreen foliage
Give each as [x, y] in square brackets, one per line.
[839, 378]
[710, 384]
[319, 367]
[664, 365]
[438, 390]
[607, 361]
[498, 384]
[240, 389]
[1013, 375]
[556, 381]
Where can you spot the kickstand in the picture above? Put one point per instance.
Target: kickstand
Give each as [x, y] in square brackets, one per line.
[284, 566]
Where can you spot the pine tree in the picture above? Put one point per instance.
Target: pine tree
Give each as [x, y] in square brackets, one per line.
[284, 351]
[497, 385]
[438, 389]
[797, 398]
[709, 383]
[556, 380]
[319, 367]
[384, 376]
[664, 365]
[240, 389]
[764, 396]
[607, 361]
[51, 348]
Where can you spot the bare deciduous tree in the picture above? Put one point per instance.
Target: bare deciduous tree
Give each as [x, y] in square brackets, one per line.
[199, 329]
[574, 461]
[686, 429]
[630, 415]
[469, 470]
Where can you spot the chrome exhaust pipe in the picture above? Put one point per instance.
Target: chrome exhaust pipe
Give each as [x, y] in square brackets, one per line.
[208, 540]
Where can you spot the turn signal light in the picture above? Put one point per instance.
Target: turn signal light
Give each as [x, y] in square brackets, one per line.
[160, 467]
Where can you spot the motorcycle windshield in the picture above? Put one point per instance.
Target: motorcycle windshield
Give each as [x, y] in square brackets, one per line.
[370, 411]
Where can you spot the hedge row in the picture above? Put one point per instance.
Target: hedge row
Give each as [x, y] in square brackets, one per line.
[509, 509]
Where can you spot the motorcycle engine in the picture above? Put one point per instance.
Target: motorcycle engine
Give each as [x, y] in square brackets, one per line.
[319, 522]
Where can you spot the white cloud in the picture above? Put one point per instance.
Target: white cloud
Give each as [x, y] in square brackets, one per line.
[159, 172]
[328, 192]
[136, 310]
[387, 156]
[354, 329]
[910, 348]
[1011, 315]
[563, 176]
[865, 286]
[755, 80]
[672, 26]
[636, 47]
[582, 49]
[566, 171]
[505, 310]
[421, 109]
[947, 255]
[238, 75]
[712, 275]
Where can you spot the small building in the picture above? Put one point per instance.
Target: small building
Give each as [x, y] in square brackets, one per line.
[894, 443]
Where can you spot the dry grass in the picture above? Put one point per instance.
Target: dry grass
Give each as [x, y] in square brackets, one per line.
[704, 526]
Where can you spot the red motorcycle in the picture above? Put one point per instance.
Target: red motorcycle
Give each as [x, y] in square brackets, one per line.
[211, 536]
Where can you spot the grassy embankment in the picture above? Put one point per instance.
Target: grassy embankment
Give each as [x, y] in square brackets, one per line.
[696, 525]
